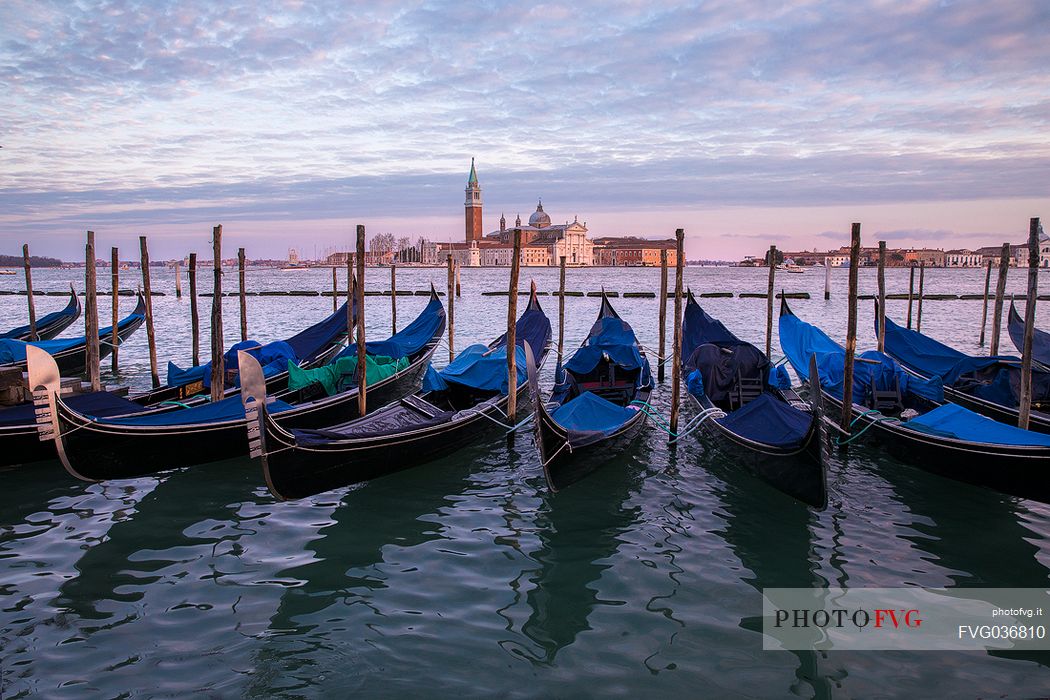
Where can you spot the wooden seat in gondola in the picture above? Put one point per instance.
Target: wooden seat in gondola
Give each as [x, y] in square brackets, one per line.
[745, 390]
[425, 407]
[887, 400]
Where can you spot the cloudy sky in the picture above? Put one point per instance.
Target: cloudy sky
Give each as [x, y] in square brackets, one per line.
[744, 123]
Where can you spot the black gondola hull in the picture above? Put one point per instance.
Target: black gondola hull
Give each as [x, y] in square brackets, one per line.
[798, 472]
[21, 445]
[296, 472]
[96, 451]
[564, 466]
[1017, 471]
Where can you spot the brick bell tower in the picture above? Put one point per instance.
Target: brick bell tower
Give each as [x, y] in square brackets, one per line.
[472, 205]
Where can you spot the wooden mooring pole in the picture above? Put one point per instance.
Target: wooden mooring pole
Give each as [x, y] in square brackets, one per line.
[114, 283]
[882, 297]
[195, 319]
[393, 299]
[561, 314]
[29, 292]
[512, 320]
[91, 314]
[362, 374]
[218, 363]
[827, 280]
[661, 351]
[151, 336]
[922, 285]
[772, 259]
[851, 331]
[458, 265]
[335, 289]
[1025, 407]
[676, 352]
[1000, 293]
[984, 309]
[450, 295]
[911, 292]
[240, 292]
[178, 279]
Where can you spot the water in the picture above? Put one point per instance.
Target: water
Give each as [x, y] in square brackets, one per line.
[464, 577]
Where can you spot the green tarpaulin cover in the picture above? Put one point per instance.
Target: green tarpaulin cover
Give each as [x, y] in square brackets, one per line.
[339, 375]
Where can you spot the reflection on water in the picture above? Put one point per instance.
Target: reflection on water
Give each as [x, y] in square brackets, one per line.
[465, 577]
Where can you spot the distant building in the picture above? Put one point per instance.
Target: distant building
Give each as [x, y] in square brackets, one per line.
[961, 257]
[932, 257]
[630, 251]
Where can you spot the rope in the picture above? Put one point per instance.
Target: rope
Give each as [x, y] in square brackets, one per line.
[557, 451]
[176, 403]
[879, 418]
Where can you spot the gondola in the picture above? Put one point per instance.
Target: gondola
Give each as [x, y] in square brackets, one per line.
[770, 429]
[594, 412]
[1040, 339]
[18, 431]
[988, 385]
[456, 406]
[147, 441]
[49, 325]
[70, 354]
[907, 415]
[308, 348]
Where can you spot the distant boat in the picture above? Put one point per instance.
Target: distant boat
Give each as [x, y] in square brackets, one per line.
[792, 267]
[8, 272]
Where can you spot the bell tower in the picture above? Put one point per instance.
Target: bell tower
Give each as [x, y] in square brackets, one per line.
[472, 206]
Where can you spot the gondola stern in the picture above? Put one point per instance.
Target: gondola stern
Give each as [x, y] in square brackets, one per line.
[820, 432]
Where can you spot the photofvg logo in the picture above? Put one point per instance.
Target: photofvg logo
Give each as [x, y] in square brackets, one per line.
[905, 618]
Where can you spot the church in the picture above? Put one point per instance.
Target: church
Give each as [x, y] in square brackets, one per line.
[543, 243]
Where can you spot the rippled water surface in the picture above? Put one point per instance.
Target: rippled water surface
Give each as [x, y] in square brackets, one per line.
[464, 577]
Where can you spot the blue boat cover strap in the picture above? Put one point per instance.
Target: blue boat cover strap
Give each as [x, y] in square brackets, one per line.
[228, 409]
[954, 421]
[589, 418]
[800, 340]
[769, 421]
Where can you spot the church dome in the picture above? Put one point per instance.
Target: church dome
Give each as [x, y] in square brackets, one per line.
[539, 218]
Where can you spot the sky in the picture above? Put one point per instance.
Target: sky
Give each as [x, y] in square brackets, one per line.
[746, 124]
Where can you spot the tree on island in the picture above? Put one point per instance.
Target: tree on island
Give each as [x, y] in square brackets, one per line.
[34, 261]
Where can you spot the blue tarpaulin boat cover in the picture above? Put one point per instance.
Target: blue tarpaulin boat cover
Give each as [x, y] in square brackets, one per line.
[96, 403]
[410, 339]
[935, 359]
[42, 322]
[315, 340]
[800, 340]
[770, 421]
[954, 421]
[15, 350]
[588, 418]
[700, 328]
[478, 370]
[218, 412]
[1040, 339]
[614, 338]
[273, 357]
[470, 368]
